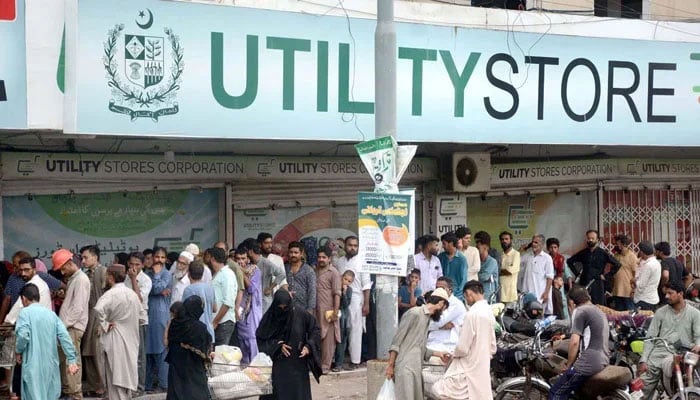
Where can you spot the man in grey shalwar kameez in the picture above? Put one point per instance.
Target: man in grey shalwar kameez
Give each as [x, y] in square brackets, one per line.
[118, 313]
[408, 350]
[676, 321]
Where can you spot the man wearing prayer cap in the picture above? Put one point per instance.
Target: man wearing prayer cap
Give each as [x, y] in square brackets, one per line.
[408, 349]
[192, 249]
[118, 317]
[180, 280]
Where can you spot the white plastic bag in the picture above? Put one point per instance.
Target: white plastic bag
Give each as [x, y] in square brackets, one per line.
[224, 354]
[387, 392]
[261, 360]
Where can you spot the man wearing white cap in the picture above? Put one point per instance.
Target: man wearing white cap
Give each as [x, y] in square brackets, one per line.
[193, 249]
[74, 315]
[408, 350]
[180, 279]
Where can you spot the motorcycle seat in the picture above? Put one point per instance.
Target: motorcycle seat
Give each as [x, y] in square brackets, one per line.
[605, 381]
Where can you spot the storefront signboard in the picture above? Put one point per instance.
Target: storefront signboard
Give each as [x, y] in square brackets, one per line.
[137, 167]
[514, 174]
[159, 68]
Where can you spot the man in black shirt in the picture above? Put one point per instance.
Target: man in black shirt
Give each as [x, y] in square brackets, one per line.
[590, 264]
[672, 270]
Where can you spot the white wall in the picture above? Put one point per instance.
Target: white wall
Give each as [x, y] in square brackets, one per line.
[473, 17]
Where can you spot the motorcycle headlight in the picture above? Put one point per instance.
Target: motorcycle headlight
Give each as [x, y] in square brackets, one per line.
[690, 358]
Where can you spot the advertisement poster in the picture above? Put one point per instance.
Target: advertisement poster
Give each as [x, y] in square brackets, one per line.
[312, 226]
[566, 216]
[385, 238]
[116, 222]
[451, 213]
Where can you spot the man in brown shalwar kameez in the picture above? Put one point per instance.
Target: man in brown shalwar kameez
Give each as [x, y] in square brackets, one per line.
[118, 312]
[328, 292]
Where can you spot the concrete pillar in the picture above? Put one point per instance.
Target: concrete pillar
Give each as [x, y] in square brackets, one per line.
[375, 377]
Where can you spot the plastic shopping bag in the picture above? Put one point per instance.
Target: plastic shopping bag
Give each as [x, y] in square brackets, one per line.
[387, 392]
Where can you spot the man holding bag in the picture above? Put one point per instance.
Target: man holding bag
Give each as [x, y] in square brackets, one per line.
[408, 347]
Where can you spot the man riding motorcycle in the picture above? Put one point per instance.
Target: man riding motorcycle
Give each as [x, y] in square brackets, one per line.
[674, 322]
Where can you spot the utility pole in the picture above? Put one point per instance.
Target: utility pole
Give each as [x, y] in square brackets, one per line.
[385, 125]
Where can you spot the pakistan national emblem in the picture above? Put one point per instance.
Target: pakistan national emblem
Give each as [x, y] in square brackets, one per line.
[144, 70]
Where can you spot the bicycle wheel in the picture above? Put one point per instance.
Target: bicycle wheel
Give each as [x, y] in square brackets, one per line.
[518, 392]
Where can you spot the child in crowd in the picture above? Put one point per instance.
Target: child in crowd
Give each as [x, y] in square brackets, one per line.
[175, 311]
[559, 307]
[347, 279]
[410, 292]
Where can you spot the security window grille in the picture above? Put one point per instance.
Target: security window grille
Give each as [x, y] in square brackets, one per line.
[654, 215]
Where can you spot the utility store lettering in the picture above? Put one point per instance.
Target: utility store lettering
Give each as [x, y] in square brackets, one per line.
[609, 83]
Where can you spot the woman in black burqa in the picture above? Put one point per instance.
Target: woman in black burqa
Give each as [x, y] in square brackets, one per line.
[189, 346]
[292, 339]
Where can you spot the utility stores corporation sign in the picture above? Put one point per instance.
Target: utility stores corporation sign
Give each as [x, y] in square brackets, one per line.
[194, 70]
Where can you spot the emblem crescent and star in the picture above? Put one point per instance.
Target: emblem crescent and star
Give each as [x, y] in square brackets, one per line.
[148, 23]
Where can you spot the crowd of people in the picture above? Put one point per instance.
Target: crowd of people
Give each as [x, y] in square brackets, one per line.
[148, 321]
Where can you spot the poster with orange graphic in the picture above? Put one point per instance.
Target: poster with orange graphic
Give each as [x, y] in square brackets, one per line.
[386, 240]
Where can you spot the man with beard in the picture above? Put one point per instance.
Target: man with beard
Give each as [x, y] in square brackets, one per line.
[158, 316]
[444, 334]
[265, 241]
[408, 349]
[91, 351]
[301, 279]
[27, 271]
[428, 263]
[328, 289]
[538, 273]
[180, 279]
[591, 264]
[118, 313]
[273, 275]
[510, 267]
[469, 375]
[359, 301]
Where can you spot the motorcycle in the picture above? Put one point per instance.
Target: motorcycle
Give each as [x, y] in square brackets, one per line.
[540, 366]
[626, 341]
[682, 385]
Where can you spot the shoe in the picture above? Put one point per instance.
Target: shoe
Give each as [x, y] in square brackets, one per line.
[335, 369]
[352, 367]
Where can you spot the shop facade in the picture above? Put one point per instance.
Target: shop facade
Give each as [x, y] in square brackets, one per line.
[188, 86]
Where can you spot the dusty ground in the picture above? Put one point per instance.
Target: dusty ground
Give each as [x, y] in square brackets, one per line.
[344, 386]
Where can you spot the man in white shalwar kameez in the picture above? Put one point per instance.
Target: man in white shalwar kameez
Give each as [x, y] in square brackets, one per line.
[469, 373]
[444, 334]
[118, 315]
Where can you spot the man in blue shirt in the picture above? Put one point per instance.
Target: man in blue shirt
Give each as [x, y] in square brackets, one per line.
[488, 273]
[454, 264]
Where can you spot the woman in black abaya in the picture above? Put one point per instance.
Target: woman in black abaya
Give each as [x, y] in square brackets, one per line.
[292, 339]
[189, 346]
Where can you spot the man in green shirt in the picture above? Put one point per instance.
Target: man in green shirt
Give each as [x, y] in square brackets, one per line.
[672, 322]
